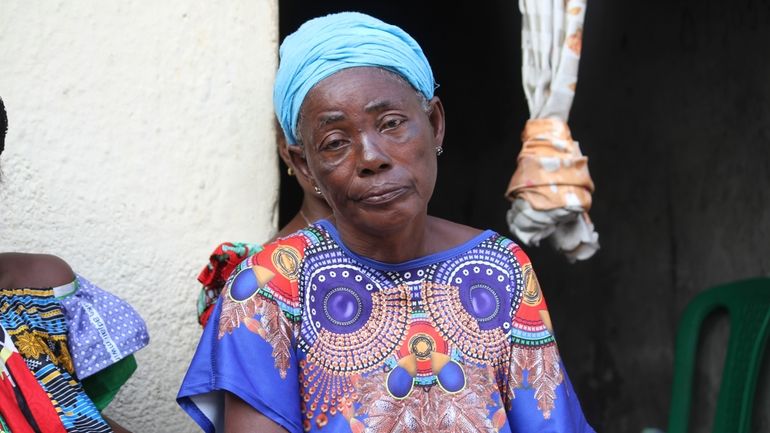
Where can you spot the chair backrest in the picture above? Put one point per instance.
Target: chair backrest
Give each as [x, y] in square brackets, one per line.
[748, 306]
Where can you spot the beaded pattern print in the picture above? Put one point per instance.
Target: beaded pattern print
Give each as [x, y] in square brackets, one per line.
[428, 345]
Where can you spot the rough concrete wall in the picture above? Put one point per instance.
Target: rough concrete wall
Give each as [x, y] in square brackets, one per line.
[140, 137]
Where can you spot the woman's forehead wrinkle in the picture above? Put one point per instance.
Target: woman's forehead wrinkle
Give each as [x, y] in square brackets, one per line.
[328, 118]
[378, 104]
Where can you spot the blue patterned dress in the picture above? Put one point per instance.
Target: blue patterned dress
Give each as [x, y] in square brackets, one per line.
[320, 339]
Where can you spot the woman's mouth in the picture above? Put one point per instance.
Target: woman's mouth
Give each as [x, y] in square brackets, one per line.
[379, 196]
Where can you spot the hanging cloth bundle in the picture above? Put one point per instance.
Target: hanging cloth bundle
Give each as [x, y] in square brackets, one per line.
[551, 188]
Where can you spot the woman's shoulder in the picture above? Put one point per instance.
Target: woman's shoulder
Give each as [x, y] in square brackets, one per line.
[33, 270]
[299, 238]
[452, 231]
[272, 273]
[447, 234]
[285, 254]
[450, 234]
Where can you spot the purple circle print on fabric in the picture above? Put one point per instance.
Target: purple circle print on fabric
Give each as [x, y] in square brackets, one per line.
[475, 299]
[481, 287]
[342, 306]
[340, 300]
[484, 302]
[353, 315]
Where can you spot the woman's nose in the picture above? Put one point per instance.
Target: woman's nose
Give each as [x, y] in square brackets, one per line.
[374, 157]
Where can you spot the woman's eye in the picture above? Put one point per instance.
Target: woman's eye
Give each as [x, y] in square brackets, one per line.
[332, 145]
[392, 123]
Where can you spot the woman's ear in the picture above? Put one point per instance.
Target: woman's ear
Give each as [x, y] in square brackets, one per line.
[283, 152]
[437, 120]
[296, 155]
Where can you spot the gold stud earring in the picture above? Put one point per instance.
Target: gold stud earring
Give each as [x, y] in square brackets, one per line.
[290, 171]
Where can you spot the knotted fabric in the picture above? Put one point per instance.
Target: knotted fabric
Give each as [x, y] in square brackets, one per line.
[551, 190]
[551, 171]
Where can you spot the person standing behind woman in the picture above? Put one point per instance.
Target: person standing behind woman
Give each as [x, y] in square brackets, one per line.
[227, 255]
[66, 346]
[380, 318]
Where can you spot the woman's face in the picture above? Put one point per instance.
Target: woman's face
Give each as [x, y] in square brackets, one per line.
[370, 146]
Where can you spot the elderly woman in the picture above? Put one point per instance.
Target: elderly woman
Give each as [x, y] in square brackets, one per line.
[380, 318]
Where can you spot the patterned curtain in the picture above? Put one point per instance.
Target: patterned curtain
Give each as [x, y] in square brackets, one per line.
[551, 187]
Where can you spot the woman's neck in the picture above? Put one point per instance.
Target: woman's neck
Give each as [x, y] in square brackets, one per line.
[424, 236]
[314, 208]
[407, 242]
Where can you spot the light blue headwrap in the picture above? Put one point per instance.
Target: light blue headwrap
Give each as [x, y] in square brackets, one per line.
[325, 45]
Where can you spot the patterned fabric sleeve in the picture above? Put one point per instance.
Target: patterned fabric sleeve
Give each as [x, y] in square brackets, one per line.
[39, 330]
[102, 328]
[537, 380]
[248, 346]
[104, 331]
[213, 276]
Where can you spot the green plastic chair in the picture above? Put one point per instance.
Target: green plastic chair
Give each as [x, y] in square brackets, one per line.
[748, 306]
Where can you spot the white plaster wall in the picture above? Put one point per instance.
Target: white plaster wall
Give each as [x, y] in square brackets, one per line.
[140, 137]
